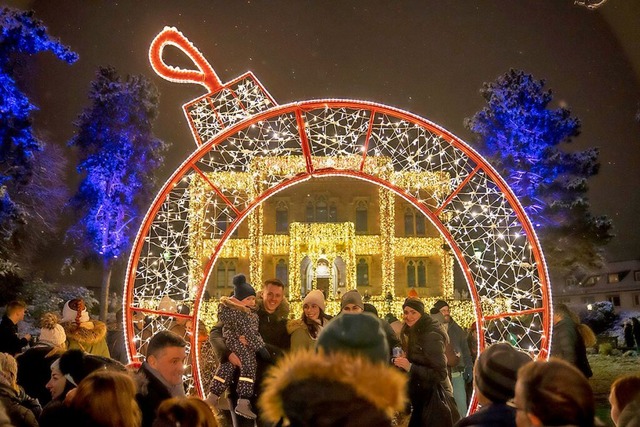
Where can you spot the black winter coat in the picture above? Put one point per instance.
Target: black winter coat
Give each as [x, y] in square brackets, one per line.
[273, 328]
[567, 344]
[9, 341]
[151, 393]
[424, 344]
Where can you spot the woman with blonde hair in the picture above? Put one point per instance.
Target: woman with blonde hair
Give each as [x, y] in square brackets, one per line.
[625, 401]
[107, 399]
[21, 409]
[185, 412]
[553, 393]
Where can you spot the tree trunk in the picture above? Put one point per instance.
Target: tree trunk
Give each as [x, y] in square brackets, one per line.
[104, 291]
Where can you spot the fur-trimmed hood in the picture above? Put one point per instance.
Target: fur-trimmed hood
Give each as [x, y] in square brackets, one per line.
[234, 305]
[281, 313]
[424, 324]
[295, 324]
[83, 334]
[309, 388]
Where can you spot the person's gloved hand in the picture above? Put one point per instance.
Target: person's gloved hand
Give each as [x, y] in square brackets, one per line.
[264, 354]
[468, 374]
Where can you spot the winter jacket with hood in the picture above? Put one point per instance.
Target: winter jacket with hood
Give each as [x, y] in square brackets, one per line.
[87, 336]
[273, 327]
[151, 393]
[424, 343]
[21, 409]
[300, 336]
[238, 320]
[567, 344]
[307, 388]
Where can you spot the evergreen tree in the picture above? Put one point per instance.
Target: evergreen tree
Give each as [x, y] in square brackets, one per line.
[21, 152]
[524, 141]
[118, 154]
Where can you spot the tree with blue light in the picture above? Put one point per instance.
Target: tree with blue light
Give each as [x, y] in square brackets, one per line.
[525, 142]
[118, 155]
[27, 177]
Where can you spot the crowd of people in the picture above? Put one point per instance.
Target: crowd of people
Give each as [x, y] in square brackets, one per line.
[276, 368]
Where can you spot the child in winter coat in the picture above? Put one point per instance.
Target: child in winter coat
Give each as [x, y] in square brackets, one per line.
[241, 336]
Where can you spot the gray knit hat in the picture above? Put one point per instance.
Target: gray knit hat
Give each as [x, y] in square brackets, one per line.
[496, 371]
[358, 333]
[352, 297]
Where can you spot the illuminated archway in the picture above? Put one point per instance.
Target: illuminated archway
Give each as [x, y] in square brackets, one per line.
[245, 140]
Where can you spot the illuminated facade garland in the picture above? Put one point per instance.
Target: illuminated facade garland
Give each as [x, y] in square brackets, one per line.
[330, 241]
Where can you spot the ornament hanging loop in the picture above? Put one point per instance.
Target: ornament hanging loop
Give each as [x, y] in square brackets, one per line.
[205, 75]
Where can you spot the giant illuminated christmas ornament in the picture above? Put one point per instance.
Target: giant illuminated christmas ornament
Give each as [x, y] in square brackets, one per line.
[249, 148]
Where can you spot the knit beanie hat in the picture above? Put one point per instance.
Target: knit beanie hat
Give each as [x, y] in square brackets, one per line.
[167, 304]
[315, 297]
[51, 332]
[496, 371]
[241, 289]
[351, 297]
[359, 334]
[414, 303]
[370, 308]
[438, 305]
[75, 365]
[70, 314]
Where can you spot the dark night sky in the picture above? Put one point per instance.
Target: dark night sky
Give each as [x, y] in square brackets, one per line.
[428, 57]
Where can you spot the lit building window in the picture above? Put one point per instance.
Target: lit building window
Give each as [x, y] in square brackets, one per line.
[362, 218]
[362, 273]
[414, 223]
[225, 271]
[321, 210]
[614, 299]
[282, 219]
[409, 229]
[422, 274]
[282, 271]
[417, 273]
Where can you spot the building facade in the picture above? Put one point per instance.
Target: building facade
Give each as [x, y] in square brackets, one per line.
[618, 282]
[332, 234]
